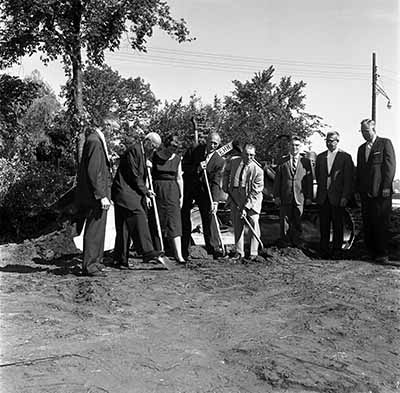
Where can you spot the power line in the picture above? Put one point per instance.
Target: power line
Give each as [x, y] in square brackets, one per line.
[229, 68]
[229, 64]
[257, 59]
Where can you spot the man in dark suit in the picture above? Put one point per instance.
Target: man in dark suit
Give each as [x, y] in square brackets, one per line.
[93, 200]
[195, 189]
[334, 172]
[376, 165]
[131, 197]
[292, 189]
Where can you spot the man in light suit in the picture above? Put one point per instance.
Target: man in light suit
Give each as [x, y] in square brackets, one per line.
[130, 195]
[196, 160]
[243, 181]
[334, 172]
[292, 189]
[92, 199]
[376, 165]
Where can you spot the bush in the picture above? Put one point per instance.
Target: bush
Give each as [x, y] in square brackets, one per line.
[27, 193]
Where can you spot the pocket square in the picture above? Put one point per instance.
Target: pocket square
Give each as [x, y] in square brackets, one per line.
[377, 152]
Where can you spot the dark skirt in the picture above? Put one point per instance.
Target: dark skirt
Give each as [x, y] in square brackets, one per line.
[167, 197]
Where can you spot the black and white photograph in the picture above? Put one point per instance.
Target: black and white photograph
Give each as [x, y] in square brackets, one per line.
[199, 196]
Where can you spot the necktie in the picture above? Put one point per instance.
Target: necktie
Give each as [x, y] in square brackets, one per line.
[367, 150]
[241, 175]
[294, 164]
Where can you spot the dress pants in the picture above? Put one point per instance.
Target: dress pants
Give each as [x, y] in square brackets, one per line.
[210, 230]
[131, 224]
[290, 223]
[239, 196]
[329, 214]
[93, 238]
[376, 215]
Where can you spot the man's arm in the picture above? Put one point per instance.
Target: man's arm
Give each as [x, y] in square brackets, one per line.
[97, 168]
[226, 175]
[388, 168]
[308, 192]
[256, 189]
[358, 171]
[216, 179]
[134, 175]
[348, 177]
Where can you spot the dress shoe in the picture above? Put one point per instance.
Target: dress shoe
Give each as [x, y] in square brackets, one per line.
[236, 258]
[124, 266]
[147, 258]
[96, 273]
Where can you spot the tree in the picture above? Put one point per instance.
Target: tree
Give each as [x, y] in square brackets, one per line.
[259, 111]
[65, 28]
[16, 97]
[175, 118]
[127, 103]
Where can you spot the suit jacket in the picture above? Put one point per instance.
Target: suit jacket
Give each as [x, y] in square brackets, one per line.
[254, 183]
[129, 186]
[377, 173]
[341, 176]
[293, 187]
[193, 175]
[94, 176]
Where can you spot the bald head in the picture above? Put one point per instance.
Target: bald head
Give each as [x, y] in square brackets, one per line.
[151, 142]
[213, 141]
[153, 137]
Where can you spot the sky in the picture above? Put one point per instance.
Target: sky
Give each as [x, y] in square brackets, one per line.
[327, 44]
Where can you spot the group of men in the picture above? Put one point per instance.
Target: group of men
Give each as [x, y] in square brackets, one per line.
[206, 175]
[337, 183]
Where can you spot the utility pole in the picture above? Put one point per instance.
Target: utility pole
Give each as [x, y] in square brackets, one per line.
[374, 77]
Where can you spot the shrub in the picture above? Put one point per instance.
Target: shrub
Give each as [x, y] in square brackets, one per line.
[28, 191]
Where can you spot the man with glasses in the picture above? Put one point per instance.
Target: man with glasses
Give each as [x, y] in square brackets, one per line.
[334, 172]
[131, 197]
[200, 161]
[376, 164]
[292, 189]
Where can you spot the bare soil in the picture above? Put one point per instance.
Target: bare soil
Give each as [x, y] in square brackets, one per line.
[288, 323]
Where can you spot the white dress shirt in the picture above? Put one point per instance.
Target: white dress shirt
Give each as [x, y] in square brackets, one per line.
[330, 158]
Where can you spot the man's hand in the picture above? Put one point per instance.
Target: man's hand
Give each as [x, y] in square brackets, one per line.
[343, 202]
[105, 203]
[149, 164]
[203, 165]
[386, 192]
[308, 201]
[277, 201]
[243, 214]
[148, 202]
[150, 194]
[214, 207]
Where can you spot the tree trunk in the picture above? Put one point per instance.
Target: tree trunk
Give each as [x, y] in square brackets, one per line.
[77, 103]
[77, 100]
